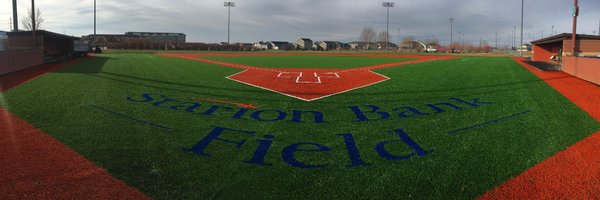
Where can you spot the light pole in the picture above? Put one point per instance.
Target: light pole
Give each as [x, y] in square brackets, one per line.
[15, 16]
[387, 29]
[514, 36]
[33, 23]
[398, 38]
[521, 44]
[574, 33]
[228, 4]
[552, 31]
[94, 19]
[451, 21]
[496, 46]
[459, 38]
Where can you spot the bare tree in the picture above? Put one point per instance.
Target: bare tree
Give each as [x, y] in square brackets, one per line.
[434, 42]
[27, 22]
[367, 36]
[383, 36]
[408, 39]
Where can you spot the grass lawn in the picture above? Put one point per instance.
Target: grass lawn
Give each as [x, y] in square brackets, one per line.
[441, 129]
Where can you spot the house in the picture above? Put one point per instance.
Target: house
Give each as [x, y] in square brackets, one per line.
[304, 44]
[328, 45]
[279, 45]
[382, 45]
[524, 48]
[411, 45]
[344, 46]
[244, 46]
[361, 45]
[262, 45]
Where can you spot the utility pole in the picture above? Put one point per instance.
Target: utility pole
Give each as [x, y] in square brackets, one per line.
[228, 4]
[542, 34]
[521, 44]
[387, 30]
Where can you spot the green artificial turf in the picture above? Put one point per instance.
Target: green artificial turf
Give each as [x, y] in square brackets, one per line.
[86, 107]
[308, 61]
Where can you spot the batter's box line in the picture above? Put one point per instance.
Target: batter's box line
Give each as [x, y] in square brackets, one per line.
[298, 75]
[281, 74]
[335, 75]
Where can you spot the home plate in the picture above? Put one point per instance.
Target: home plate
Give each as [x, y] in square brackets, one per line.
[307, 84]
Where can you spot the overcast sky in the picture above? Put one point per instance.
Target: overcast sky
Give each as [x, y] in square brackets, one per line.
[288, 20]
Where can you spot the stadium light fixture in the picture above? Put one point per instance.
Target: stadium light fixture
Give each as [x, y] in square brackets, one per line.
[228, 4]
[387, 29]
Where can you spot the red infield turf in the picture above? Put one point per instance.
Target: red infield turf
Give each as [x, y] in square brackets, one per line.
[36, 166]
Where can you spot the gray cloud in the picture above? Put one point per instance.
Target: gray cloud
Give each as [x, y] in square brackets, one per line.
[255, 20]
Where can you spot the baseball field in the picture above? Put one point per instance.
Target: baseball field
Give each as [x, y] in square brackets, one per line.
[298, 126]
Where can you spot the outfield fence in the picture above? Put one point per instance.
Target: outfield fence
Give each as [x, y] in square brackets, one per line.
[13, 61]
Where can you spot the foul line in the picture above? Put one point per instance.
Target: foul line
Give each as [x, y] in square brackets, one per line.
[134, 119]
[488, 122]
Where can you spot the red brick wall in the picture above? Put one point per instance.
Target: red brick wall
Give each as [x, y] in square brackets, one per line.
[587, 47]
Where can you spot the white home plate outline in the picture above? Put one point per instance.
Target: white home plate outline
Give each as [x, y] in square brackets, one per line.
[296, 97]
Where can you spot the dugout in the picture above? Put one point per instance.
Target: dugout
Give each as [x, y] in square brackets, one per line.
[53, 45]
[585, 64]
[586, 45]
